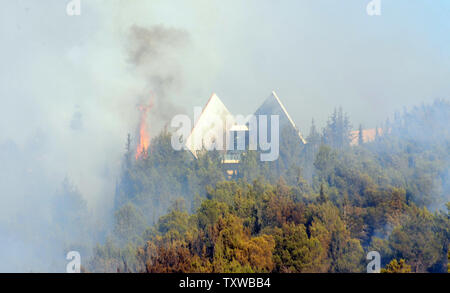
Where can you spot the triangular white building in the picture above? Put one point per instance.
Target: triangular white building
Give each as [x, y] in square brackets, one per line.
[273, 106]
[216, 125]
[211, 127]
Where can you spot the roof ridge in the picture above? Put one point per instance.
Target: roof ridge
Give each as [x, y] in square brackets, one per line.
[283, 108]
[288, 116]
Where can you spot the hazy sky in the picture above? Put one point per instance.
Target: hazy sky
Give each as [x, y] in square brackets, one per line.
[70, 85]
[315, 54]
[68, 88]
[67, 85]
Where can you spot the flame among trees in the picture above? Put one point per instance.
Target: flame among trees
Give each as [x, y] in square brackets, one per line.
[143, 132]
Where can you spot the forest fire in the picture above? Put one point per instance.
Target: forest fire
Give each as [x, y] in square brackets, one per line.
[144, 136]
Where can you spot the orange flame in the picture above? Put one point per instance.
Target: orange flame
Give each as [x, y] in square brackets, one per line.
[144, 136]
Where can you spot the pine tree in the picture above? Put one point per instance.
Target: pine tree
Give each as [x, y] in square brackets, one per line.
[337, 133]
[360, 136]
[322, 195]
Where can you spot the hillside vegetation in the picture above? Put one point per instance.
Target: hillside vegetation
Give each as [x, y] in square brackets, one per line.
[319, 208]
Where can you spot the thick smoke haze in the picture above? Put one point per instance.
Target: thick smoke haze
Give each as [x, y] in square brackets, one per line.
[70, 86]
[68, 104]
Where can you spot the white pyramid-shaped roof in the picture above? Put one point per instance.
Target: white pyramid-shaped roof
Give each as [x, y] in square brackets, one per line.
[211, 127]
[273, 106]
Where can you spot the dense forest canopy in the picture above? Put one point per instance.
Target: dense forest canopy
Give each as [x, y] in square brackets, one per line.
[319, 208]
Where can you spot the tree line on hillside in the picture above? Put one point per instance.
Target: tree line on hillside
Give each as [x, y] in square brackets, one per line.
[319, 208]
